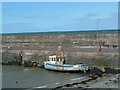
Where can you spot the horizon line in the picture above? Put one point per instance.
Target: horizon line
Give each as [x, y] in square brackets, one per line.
[59, 31]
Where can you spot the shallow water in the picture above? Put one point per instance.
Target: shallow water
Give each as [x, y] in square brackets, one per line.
[29, 77]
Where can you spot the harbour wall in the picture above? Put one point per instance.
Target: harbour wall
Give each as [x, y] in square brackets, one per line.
[55, 40]
[33, 42]
[90, 58]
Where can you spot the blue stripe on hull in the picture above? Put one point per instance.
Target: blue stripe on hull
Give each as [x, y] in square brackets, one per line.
[60, 67]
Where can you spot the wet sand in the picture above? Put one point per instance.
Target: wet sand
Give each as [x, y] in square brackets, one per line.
[29, 77]
[22, 77]
[107, 81]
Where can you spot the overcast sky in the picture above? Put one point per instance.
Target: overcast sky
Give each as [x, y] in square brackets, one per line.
[58, 16]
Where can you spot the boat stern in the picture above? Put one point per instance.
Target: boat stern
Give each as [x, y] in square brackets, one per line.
[84, 67]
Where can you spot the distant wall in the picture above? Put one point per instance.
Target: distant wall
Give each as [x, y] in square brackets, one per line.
[54, 40]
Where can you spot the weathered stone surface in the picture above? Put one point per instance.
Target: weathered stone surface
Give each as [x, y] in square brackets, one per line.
[54, 40]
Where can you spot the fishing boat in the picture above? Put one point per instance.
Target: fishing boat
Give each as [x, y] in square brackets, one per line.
[57, 63]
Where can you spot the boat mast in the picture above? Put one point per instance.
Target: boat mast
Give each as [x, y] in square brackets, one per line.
[60, 54]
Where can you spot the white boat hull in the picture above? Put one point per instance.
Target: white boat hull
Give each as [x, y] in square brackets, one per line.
[64, 67]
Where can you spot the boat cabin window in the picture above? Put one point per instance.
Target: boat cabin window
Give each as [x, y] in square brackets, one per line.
[52, 58]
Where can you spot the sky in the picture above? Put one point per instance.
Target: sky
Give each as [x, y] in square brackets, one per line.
[18, 17]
